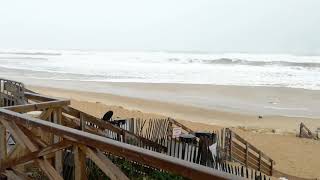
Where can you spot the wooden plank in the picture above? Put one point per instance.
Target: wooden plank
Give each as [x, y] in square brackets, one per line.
[251, 157]
[3, 143]
[46, 114]
[38, 97]
[180, 125]
[58, 162]
[18, 135]
[247, 154]
[11, 175]
[38, 106]
[23, 139]
[251, 146]
[102, 124]
[35, 155]
[260, 161]
[20, 174]
[35, 139]
[17, 150]
[49, 170]
[79, 163]
[230, 144]
[150, 158]
[106, 125]
[251, 164]
[75, 125]
[82, 122]
[110, 169]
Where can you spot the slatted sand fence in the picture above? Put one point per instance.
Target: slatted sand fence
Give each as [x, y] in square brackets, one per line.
[194, 146]
[304, 132]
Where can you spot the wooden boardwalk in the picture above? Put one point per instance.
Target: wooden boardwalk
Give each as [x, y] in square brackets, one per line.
[58, 134]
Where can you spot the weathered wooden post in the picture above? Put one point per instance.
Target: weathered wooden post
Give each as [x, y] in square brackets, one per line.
[230, 145]
[247, 153]
[79, 163]
[82, 122]
[3, 143]
[259, 161]
[57, 117]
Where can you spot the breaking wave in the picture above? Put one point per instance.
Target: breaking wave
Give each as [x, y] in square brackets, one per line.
[227, 61]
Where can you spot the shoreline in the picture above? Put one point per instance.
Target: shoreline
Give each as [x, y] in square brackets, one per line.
[252, 100]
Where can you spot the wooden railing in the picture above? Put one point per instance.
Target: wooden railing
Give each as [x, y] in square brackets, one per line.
[41, 139]
[49, 142]
[11, 93]
[239, 150]
[23, 127]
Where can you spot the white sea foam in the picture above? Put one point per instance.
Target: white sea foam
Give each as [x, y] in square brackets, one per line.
[168, 67]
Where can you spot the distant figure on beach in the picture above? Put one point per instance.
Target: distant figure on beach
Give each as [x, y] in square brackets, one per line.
[107, 116]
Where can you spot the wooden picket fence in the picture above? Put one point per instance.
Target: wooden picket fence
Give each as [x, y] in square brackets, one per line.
[196, 150]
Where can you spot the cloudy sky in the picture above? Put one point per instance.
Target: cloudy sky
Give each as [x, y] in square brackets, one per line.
[256, 26]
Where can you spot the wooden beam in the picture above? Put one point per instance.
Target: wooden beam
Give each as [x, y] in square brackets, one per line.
[35, 139]
[18, 135]
[236, 136]
[79, 163]
[75, 124]
[143, 156]
[11, 175]
[46, 114]
[9, 163]
[76, 113]
[3, 143]
[49, 170]
[106, 125]
[106, 165]
[58, 162]
[15, 151]
[38, 97]
[180, 125]
[23, 139]
[82, 122]
[38, 106]
[20, 174]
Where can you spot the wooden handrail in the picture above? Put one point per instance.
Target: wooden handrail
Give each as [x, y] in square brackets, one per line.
[239, 150]
[39, 106]
[251, 146]
[107, 125]
[39, 97]
[173, 121]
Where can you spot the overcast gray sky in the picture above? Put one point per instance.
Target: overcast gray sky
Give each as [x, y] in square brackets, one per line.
[258, 26]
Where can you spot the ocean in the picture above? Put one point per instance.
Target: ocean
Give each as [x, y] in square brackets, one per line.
[275, 70]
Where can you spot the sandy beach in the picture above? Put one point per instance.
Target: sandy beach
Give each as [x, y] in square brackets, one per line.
[250, 66]
[274, 134]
